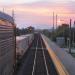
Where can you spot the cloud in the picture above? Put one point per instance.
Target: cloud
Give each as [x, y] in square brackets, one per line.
[26, 1]
[40, 13]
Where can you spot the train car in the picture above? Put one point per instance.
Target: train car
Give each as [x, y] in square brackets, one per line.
[7, 44]
[22, 44]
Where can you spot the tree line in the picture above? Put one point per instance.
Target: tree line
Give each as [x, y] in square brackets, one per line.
[24, 31]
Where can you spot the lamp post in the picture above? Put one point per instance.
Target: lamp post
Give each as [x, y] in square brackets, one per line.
[53, 28]
[73, 33]
[53, 22]
[70, 36]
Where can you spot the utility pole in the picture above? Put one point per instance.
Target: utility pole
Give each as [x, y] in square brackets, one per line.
[70, 36]
[3, 10]
[13, 15]
[53, 22]
[14, 37]
[56, 20]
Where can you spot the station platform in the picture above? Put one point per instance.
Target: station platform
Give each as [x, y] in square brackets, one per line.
[67, 60]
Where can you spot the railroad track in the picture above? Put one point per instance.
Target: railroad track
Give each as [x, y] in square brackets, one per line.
[37, 60]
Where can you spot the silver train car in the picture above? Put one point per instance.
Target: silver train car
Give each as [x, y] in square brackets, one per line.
[22, 44]
[7, 44]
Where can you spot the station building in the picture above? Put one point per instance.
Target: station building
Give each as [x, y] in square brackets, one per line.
[7, 44]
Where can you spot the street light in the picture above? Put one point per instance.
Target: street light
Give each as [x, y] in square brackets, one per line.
[73, 33]
[70, 36]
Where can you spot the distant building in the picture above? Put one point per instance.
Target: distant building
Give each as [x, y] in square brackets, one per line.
[7, 44]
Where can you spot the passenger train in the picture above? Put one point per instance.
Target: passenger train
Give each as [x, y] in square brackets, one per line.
[10, 46]
[7, 44]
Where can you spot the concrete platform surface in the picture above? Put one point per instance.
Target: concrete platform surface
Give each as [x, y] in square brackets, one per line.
[67, 60]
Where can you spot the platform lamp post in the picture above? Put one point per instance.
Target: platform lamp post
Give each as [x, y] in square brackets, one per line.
[70, 36]
[53, 22]
[73, 34]
[53, 28]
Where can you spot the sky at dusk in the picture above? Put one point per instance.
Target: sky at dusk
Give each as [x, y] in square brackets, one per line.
[38, 13]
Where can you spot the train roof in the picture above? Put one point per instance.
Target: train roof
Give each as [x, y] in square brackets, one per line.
[7, 17]
[19, 38]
